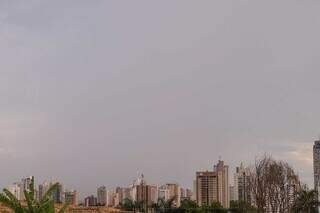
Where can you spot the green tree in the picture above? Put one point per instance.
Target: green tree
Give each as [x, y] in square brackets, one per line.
[241, 207]
[306, 201]
[140, 206]
[214, 207]
[45, 205]
[164, 206]
[130, 205]
[189, 206]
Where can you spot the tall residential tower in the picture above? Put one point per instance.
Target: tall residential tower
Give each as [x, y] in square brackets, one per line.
[102, 196]
[241, 184]
[213, 186]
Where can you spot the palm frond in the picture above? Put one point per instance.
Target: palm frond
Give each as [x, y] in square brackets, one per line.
[12, 198]
[5, 199]
[50, 191]
[29, 199]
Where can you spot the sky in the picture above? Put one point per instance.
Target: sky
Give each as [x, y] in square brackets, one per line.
[95, 92]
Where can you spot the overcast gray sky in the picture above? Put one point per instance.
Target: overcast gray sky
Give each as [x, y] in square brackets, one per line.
[93, 92]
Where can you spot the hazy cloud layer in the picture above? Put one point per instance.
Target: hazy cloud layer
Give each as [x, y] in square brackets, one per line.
[93, 92]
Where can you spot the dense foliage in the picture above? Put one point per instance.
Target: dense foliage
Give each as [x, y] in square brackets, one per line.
[187, 206]
[130, 205]
[306, 201]
[241, 207]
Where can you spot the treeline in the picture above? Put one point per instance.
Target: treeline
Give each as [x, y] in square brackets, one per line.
[187, 206]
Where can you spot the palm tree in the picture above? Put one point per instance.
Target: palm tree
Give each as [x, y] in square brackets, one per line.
[45, 205]
[306, 201]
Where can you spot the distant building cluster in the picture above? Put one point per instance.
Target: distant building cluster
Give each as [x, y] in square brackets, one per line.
[208, 186]
[60, 195]
[138, 191]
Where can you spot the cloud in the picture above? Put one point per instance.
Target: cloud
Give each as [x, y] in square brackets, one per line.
[300, 156]
[105, 86]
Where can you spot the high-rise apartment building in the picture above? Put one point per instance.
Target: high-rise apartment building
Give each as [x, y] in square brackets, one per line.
[213, 186]
[241, 184]
[174, 192]
[58, 194]
[316, 165]
[222, 171]
[133, 187]
[43, 188]
[110, 197]
[25, 185]
[207, 187]
[189, 194]
[102, 196]
[119, 196]
[116, 200]
[194, 190]
[153, 191]
[141, 192]
[41, 191]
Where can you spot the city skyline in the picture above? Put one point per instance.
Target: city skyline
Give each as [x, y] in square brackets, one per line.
[95, 92]
[224, 182]
[214, 185]
[189, 185]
